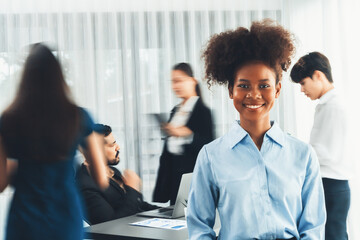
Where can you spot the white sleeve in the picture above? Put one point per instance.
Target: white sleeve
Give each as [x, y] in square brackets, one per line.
[328, 135]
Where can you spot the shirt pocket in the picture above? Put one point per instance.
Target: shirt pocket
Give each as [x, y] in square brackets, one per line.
[286, 188]
[239, 191]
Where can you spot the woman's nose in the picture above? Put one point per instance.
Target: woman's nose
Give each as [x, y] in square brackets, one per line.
[254, 93]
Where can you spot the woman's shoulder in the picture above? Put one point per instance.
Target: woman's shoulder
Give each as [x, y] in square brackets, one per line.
[201, 104]
[82, 110]
[84, 114]
[296, 145]
[201, 109]
[86, 121]
[218, 145]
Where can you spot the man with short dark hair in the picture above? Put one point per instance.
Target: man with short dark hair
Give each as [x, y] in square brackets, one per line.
[328, 138]
[122, 198]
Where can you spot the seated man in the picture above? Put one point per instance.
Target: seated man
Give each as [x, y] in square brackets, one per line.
[122, 198]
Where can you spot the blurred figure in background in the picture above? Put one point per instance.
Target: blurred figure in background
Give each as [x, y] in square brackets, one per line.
[123, 197]
[328, 138]
[190, 127]
[42, 129]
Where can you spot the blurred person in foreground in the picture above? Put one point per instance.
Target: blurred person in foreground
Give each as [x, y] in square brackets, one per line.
[190, 127]
[265, 183]
[328, 138]
[42, 129]
[122, 198]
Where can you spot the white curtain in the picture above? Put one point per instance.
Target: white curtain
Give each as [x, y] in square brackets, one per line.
[117, 57]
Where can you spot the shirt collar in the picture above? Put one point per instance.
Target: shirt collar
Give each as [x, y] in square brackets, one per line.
[237, 134]
[189, 104]
[327, 96]
[276, 134]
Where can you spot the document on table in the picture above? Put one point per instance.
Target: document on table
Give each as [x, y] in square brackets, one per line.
[162, 223]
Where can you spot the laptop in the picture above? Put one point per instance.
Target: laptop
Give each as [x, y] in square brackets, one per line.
[177, 210]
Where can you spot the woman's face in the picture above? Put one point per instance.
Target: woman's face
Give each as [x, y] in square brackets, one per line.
[182, 84]
[254, 91]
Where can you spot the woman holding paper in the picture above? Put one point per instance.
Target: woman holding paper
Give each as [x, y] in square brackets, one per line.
[190, 127]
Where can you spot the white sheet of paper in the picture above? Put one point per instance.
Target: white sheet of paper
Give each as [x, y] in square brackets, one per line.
[162, 223]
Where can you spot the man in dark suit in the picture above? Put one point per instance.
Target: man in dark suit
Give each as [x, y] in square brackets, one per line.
[122, 198]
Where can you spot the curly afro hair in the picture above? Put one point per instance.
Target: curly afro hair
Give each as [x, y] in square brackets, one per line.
[266, 42]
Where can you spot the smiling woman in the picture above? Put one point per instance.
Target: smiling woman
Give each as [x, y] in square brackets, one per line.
[254, 93]
[240, 174]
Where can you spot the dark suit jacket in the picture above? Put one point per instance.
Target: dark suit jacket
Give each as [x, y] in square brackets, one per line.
[172, 167]
[113, 203]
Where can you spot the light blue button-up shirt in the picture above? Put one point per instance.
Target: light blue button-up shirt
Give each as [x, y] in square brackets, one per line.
[268, 194]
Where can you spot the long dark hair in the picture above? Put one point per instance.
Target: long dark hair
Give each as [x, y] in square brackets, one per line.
[186, 68]
[42, 120]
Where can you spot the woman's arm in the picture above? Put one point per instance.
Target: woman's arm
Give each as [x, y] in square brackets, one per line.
[96, 159]
[202, 203]
[182, 131]
[7, 168]
[311, 224]
[201, 124]
[3, 168]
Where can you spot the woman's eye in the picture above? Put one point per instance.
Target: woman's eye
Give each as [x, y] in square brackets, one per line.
[243, 86]
[264, 86]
